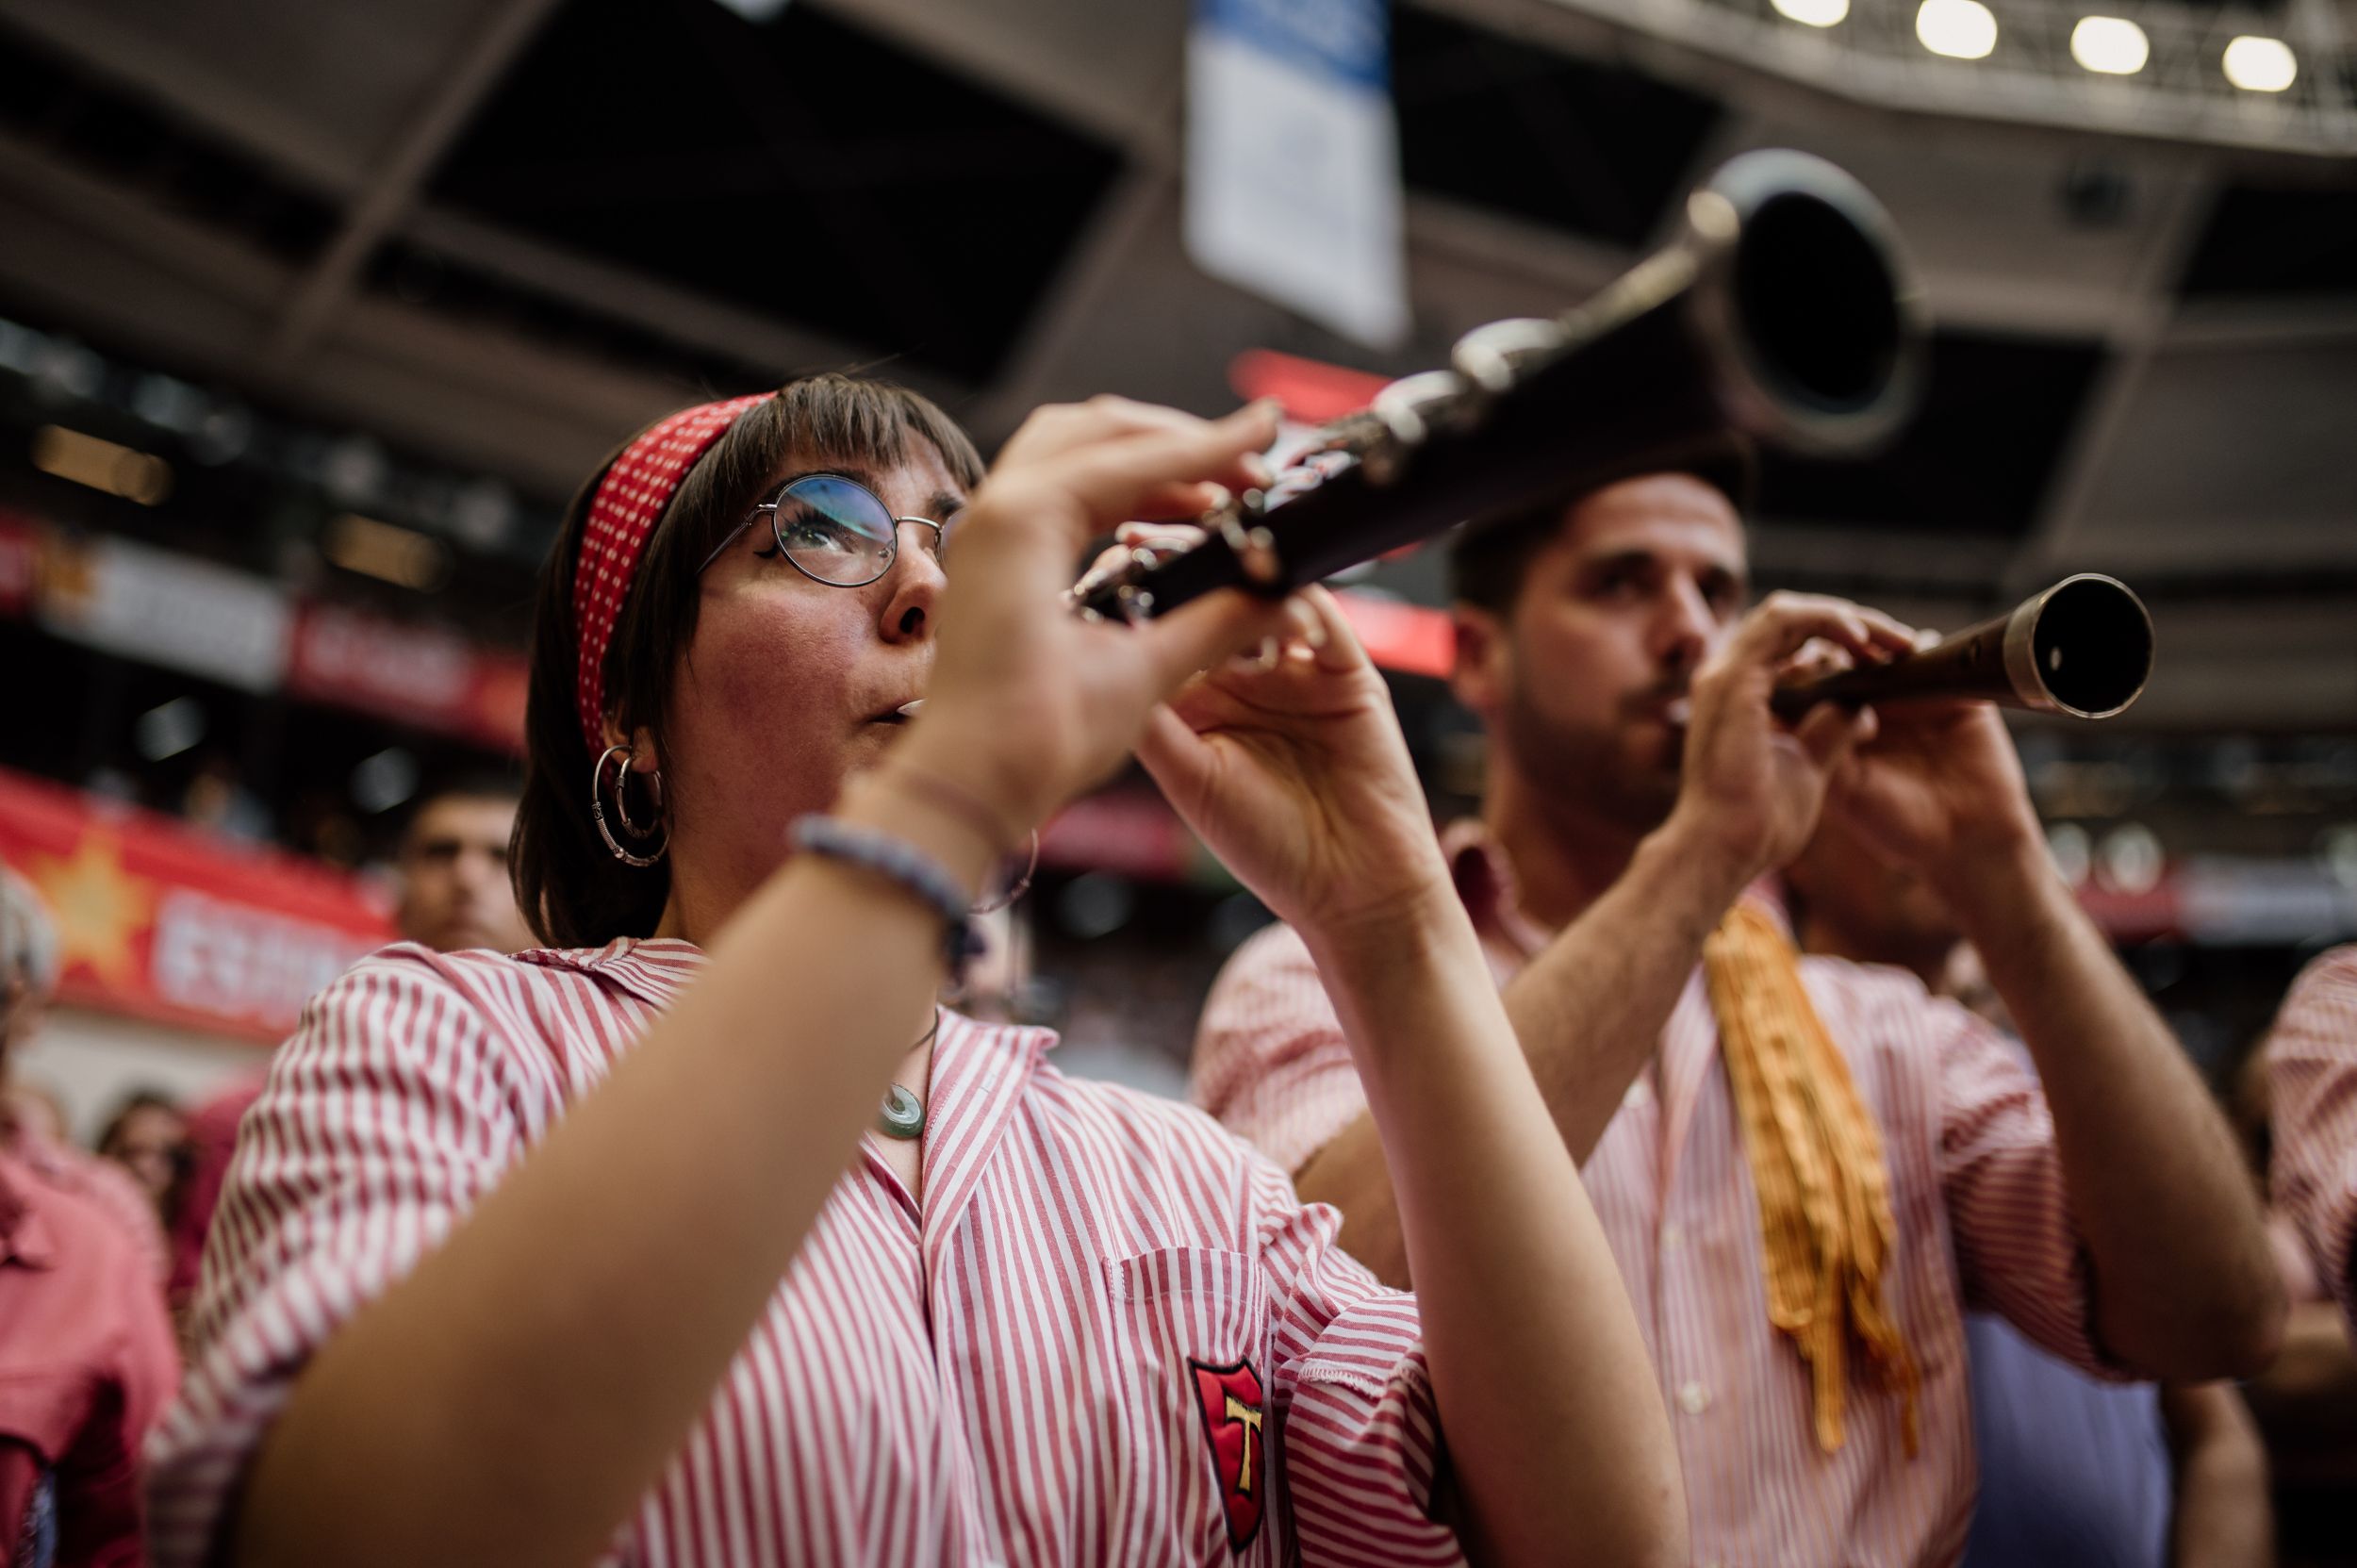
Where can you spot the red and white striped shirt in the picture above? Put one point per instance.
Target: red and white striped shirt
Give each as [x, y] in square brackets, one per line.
[1975, 1187]
[2312, 1081]
[1110, 1334]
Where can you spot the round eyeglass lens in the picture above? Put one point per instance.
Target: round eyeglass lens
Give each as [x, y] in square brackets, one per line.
[835, 530]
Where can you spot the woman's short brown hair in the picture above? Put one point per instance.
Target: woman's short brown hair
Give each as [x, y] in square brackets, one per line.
[569, 884]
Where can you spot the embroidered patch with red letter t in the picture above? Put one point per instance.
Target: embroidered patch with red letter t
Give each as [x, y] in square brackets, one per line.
[1229, 1398]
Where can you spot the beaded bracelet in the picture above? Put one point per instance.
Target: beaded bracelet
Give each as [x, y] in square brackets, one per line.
[905, 866]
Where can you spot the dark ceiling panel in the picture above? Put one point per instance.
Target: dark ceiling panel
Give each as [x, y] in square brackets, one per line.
[132, 139]
[800, 168]
[1998, 414]
[2277, 241]
[1575, 145]
[419, 275]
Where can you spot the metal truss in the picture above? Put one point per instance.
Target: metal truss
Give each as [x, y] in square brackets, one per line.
[2181, 94]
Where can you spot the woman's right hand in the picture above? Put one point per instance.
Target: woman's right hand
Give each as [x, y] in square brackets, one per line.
[1029, 704]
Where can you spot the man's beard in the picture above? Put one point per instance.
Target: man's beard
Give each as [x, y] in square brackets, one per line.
[1591, 771]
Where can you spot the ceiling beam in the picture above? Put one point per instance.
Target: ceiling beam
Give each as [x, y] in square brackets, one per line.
[1108, 70]
[393, 185]
[1083, 288]
[695, 321]
[2138, 330]
[105, 41]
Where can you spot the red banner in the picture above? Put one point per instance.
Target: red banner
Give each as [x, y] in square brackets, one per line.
[1311, 391]
[157, 920]
[417, 675]
[1129, 831]
[1407, 637]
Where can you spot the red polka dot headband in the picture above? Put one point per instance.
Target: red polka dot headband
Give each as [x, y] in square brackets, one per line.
[629, 501]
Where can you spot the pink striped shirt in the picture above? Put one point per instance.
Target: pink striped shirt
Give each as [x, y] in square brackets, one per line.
[1107, 1315]
[2311, 1078]
[1975, 1188]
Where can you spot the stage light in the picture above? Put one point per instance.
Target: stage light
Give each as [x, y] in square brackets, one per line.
[2336, 846]
[381, 782]
[2130, 860]
[1960, 29]
[1814, 13]
[2072, 853]
[2260, 64]
[101, 465]
[387, 552]
[168, 730]
[2111, 45]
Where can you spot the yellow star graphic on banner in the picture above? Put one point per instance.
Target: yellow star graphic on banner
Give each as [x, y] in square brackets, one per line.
[100, 909]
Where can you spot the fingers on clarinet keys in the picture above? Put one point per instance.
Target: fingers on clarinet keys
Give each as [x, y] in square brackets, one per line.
[1305, 634]
[1255, 549]
[1492, 358]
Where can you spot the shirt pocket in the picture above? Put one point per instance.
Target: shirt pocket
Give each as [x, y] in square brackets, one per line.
[1196, 1403]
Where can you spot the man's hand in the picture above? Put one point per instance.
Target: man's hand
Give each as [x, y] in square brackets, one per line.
[1938, 789]
[1751, 788]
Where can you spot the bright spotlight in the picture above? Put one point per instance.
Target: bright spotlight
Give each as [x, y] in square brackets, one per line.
[1816, 13]
[2112, 45]
[1960, 29]
[2260, 64]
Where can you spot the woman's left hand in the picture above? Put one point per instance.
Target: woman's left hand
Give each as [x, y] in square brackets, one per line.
[1290, 765]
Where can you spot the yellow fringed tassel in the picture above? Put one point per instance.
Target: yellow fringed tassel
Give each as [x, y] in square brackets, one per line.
[1826, 1231]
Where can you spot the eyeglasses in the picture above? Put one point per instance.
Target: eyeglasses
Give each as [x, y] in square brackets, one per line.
[835, 530]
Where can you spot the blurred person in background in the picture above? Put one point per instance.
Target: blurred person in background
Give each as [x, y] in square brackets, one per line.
[522, 1250]
[86, 1353]
[1807, 1167]
[87, 1365]
[28, 973]
[451, 862]
[217, 801]
[2311, 1085]
[2306, 1403]
[2075, 1472]
[148, 1136]
[33, 1110]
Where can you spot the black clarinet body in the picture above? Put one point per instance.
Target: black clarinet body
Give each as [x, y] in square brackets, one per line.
[1783, 312]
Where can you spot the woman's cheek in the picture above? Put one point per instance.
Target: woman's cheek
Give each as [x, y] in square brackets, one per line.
[762, 700]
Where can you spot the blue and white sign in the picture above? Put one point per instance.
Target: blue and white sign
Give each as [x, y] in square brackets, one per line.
[1293, 159]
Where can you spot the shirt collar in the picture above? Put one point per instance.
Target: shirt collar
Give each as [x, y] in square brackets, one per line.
[652, 968]
[1485, 882]
[656, 969]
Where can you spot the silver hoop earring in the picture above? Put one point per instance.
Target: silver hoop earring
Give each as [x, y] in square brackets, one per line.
[621, 799]
[621, 809]
[1022, 884]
